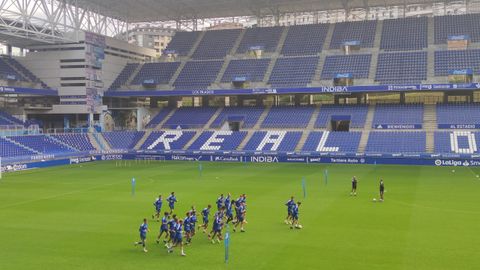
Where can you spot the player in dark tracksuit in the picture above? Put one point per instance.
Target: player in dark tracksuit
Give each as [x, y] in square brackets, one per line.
[382, 189]
[354, 187]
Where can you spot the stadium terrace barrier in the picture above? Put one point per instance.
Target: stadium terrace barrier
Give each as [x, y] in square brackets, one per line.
[247, 157]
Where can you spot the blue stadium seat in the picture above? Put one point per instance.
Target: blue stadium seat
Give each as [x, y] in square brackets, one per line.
[358, 114]
[248, 115]
[161, 73]
[123, 140]
[332, 142]
[198, 75]
[465, 24]
[293, 71]
[362, 31]
[404, 34]
[124, 75]
[305, 39]
[357, 65]
[182, 42]
[457, 142]
[280, 141]
[288, 117]
[396, 142]
[446, 61]
[218, 140]
[253, 69]
[216, 44]
[267, 37]
[398, 114]
[401, 68]
[167, 140]
[190, 117]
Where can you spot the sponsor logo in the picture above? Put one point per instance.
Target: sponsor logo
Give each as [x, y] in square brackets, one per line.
[185, 158]
[448, 162]
[203, 92]
[295, 159]
[14, 167]
[334, 89]
[345, 160]
[228, 159]
[263, 159]
[111, 157]
[81, 160]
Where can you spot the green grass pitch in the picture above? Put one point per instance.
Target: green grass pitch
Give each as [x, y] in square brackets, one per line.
[84, 217]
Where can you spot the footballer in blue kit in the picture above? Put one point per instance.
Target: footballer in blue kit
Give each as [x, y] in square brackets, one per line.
[143, 235]
[187, 227]
[229, 210]
[205, 214]
[295, 223]
[164, 228]
[217, 226]
[177, 240]
[158, 207]
[220, 201]
[171, 228]
[290, 203]
[241, 211]
[193, 221]
[171, 201]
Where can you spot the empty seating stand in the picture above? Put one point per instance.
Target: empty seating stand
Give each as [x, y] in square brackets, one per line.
[466, 24]
[158, 118]
[247, 115]
[123, 140]
[11, 149]
[6, 71]
[198, 75]
[305, 39]
[357, 113]
[81, 142]
[266, 37]
[278, 141]
[167, 140]
[404, 142]
[160, 73]
[363, 32]
[216, 44]
[182, 42]
[288, 117]
[332, 142]
[457, 142]
[293, 71]
[190, 117]
[397, 114]
[253, 69]
[458, 114]
[42, 143]
[404, 34]
[401, 68]
[218, 140]
[124, 75]
[446, 61]
[357, 65]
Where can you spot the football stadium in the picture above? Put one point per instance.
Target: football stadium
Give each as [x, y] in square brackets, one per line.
[247, 134]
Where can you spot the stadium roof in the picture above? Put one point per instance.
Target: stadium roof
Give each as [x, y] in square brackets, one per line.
[165, 10]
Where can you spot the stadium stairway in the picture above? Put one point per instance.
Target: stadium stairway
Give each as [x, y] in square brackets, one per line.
[165, 119]
[430, 125]
[431, 31]
[99, 142]
[195, 45]
[143, 139]
[217, 81]
[431, 68]
[378, 38]
[366, 129]
[328, 38]
[313, 119]
[281, 41]
[214, 116]
[134, 73]
[177, 72]
[302, 140]
[21, 145]
[373, 65]
[62, 143]
[269, 70]
[261, 119]
[237, 43]
[247, 138]
[194, 138]
[317, 78]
